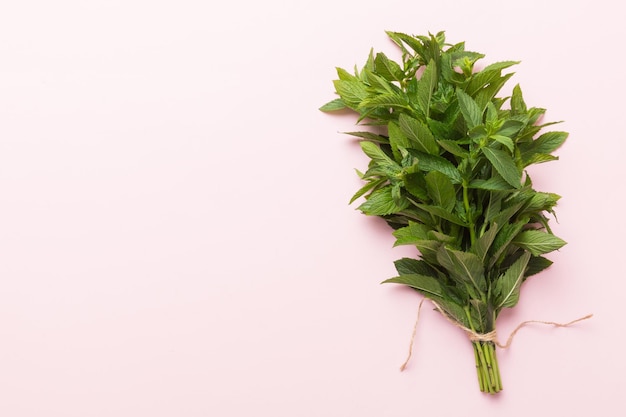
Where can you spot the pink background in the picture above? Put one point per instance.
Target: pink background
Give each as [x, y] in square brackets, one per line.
[175, 238]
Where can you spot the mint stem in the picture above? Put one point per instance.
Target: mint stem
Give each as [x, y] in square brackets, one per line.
[469, 214]
[487, 367]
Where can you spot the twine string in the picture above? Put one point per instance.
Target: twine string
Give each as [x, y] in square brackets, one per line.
[552, 323]
[491, 336]
[408, 358]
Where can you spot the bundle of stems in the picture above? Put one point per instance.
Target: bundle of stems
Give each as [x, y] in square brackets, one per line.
[447, 172]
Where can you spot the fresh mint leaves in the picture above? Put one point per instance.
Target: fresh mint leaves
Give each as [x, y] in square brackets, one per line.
[448, 175]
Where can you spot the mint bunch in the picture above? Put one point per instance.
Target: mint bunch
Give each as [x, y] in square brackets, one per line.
[447, 172]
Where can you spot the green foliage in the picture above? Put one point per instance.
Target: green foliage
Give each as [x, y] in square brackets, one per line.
[447, 172]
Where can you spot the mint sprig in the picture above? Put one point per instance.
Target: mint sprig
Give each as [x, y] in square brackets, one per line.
[448, 174]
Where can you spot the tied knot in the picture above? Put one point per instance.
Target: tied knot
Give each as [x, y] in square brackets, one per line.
[491, 336]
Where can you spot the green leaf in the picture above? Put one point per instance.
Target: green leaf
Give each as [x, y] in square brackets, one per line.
[536, 265]
[480, 314]
[493, 207]
[507, 286]
[504, 164]
[345, 75]
[463, 267]
[454, 311]
[441, 237]
[381, 203]
[388, 68]
[487, 75]
[446, 130]
[441, 190]
[429, 163]
[397, 140]
[448, 72]
[503, 240]
[518, 106]
[488, 93]
[426, 87]
[396, 195]
[416, 235]
[415, 183]
[470, 110]
[483, 243]
[465, 60]
[387, 100]
[510, 128]
[504, 140]
[410, 234]
[503, 214]
[426, 285]
[380, 85]
[539, 150]
[372, 185]
[496, 183]
[428, 249]
[419, 134]
[406, 266]
[368, 67]
[401, 39]
[539, 158]
[333, 105]
[499, 66]
[443, 213]
[542, 202]
[538, 242]
[351, 92]
[377, 155]
[491, 116]
[454, 148]
[549, 142]
[372, 137]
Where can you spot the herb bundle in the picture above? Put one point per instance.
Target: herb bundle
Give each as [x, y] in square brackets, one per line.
[448, 174]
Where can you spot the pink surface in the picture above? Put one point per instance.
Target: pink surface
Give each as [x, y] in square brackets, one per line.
[175, 238]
